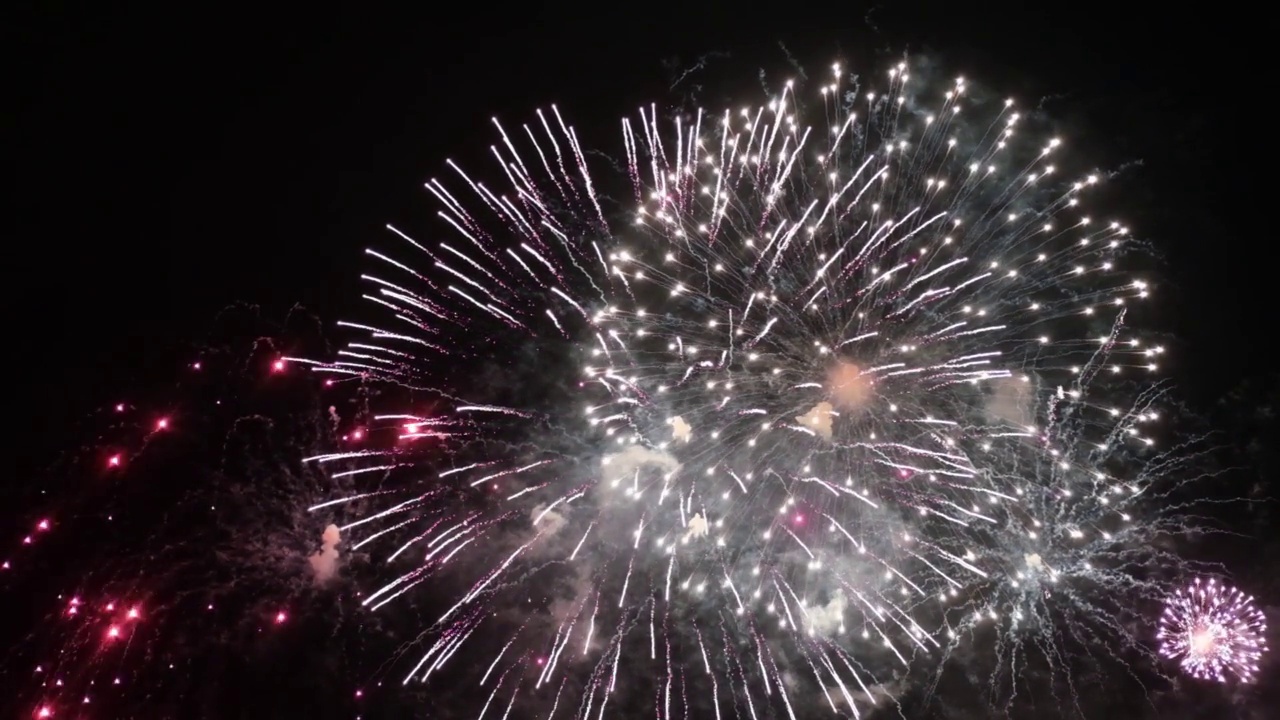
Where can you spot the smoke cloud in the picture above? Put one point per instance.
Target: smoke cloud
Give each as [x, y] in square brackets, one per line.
[818, 419]
[324, 564]
[635, 457]
[829, 618]
[548, 521]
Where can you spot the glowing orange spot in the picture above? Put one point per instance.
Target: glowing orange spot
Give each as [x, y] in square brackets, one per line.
[848, 387]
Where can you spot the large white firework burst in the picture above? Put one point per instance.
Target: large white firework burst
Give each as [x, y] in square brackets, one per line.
[749, 434]
[1213, 631]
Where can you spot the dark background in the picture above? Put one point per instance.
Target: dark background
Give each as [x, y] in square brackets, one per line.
[165, 162]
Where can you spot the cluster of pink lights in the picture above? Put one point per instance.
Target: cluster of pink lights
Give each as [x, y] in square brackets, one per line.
[1213, 631]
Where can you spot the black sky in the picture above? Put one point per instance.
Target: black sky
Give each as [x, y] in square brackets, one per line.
[167, 162]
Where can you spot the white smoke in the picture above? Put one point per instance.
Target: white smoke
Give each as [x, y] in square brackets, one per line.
[549, 522]
[829, 618]
[681, 431]
[818, 419]
[697, 528]
[627, 462]
[325, 563]
[1011, 400]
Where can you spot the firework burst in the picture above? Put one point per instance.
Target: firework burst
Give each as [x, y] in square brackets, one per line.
[746, 434]
[171, 543]
[1213, 631]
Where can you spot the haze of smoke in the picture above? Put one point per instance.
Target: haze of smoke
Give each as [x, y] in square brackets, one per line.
[549, 522]
[324, 564]
[635, 457]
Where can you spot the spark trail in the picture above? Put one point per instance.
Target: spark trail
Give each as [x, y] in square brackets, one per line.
[782, 405]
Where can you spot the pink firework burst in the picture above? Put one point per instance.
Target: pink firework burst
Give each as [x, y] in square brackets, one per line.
[1213, 630]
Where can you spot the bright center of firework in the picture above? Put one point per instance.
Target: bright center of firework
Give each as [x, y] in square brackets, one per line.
[1202, 641]
[848, 387]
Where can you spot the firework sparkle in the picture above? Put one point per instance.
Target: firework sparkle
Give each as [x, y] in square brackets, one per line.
[1214, 631]
[766, 417]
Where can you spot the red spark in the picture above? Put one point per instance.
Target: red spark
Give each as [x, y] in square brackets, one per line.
[195, 366]
[113, 461]
[281, 617]
[113, 632]
[277, 366]
[119, 407]
[162, 424]
[43, 525]
[44, 712]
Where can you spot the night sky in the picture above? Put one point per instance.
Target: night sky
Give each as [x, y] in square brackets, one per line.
[167, 164]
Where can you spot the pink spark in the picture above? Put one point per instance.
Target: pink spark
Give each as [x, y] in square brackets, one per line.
[1213, 631]
[114, 461]
[278, 366]
[281, 617]
[162, 424]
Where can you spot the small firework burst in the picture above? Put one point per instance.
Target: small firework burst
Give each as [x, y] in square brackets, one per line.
[1213, 631]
